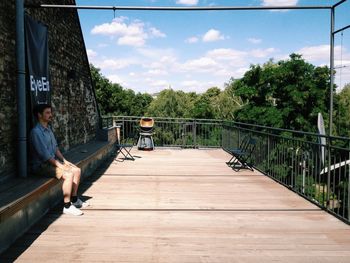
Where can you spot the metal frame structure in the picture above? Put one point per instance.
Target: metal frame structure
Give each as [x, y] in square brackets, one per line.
[20, 52]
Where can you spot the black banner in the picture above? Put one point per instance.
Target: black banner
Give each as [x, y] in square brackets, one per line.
[38, 61]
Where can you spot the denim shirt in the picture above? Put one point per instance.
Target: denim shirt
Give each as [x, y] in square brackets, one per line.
[43, 146]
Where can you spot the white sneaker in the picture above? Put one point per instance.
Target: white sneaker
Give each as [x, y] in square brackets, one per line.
[72, 210]
[80, 204]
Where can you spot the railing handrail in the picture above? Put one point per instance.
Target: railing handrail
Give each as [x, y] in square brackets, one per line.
[168, 118]
[291, 131]
[226, 122]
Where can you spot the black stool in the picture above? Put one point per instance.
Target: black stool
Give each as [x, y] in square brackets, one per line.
[125, 149]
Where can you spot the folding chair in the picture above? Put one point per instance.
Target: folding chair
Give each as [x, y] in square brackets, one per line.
[242, 158]
[241, 148]
[125, 150]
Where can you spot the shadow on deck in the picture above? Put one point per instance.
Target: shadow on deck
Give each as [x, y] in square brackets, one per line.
[174, 205]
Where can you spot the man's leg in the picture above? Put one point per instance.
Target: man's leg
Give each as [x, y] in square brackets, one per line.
[67, 185]
[76, 171]
[76, 201]
[67, 176]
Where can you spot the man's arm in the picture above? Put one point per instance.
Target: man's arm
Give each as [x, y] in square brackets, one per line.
[39, 146]
[60, 156]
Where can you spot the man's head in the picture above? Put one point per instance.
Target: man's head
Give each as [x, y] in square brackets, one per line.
[42, 112]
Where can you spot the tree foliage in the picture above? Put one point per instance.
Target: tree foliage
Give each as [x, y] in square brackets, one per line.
[288, 94]
[342, 105]
[113, 99]
[170, 103]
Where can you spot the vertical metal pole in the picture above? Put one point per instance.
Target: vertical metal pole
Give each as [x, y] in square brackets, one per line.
[304, 172]
[330, 103]
[331, 71]
[348, 167]
[268, 153]
[21, 91]
[195, 134]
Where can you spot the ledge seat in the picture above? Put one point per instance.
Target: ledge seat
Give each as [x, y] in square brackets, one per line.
[23, 201]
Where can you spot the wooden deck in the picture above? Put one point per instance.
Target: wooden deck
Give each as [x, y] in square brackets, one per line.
[182, 206]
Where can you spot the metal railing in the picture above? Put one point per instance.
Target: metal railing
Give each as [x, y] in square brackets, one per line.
[298, 160]
[171, 132]
[318, 171]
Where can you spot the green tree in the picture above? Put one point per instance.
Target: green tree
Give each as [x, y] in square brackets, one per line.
[302, 91]
[113, 99]
[170, 103]
[342, 123]
[206, 105]
[228, 103]
[288, 94]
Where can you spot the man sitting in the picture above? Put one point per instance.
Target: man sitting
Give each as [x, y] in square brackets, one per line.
[47, 160]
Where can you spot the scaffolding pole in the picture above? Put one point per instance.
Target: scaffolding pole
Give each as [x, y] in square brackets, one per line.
[174, 8]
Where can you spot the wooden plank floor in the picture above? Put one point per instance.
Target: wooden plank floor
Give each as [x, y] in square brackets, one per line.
[185, 206]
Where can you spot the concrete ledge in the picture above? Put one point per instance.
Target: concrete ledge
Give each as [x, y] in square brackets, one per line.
[24, 201]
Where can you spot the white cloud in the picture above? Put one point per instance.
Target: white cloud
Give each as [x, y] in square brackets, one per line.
[254, 40]
[118, 28]
[157, 72]
[342, 79]
[157, 33]
[187, 2]
[279, 2]
[192, 40]
[240, 72]
[318, 53]
[115, 79]
[158, 83]
[189, 83]
[193, 85]
[157, 59]
[158, 68]
[202, 64]
[212, 35]
[136, 41]
[114, 64]
[226, 54]
[128, 33]
[262, 53]
[91, 53]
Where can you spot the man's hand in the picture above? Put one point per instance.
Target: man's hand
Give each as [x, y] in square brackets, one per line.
[56, 163]
[66, 162]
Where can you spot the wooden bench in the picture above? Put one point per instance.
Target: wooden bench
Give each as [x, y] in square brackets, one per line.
[23, 201]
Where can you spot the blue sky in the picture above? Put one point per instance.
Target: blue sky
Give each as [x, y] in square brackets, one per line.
[148, 51]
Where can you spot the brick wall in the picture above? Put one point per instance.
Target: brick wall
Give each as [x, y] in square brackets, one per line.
[74, 105]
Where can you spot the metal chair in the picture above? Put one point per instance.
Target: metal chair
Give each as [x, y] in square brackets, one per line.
[125, 150]
[242, 158]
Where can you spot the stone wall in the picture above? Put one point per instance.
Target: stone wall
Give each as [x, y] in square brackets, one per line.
[73, 100]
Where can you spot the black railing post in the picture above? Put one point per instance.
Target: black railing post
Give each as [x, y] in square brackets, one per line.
[268, 153]
[194, 134]
[329, 170]
[123, 122]
[348, 166]
[183, 133]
